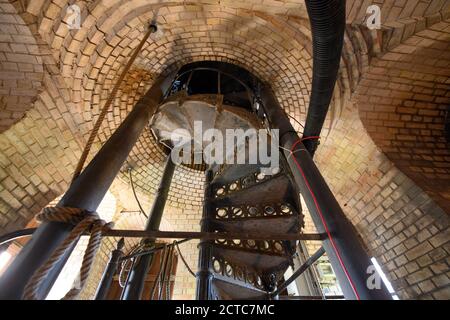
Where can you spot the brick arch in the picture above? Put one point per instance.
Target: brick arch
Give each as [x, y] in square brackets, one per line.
[64, 44]
[21, 67]
[400, 224]
[38, 152]
[90, 62]
[403, 99]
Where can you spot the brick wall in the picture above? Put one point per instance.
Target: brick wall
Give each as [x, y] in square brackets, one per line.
[21, 69]
[400, 224]
[403, 101]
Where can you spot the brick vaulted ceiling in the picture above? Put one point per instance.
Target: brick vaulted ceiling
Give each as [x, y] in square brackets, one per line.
[383, 143]
[58, 79]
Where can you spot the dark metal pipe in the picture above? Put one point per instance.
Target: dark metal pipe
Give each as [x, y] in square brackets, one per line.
[299, 271]
[86, 192]
[327, 18]
[11, 236]
[213, 235]
[110, 271]
[204, 274]
[182, 234]
[347, 255]
[135, 286]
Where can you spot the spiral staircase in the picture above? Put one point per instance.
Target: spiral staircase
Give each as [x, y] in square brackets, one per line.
[247, 200]
[240, 198]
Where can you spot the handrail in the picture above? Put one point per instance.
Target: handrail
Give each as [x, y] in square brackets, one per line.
[300, 270]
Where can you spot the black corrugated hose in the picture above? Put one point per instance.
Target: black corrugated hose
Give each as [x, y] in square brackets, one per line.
[327, 18]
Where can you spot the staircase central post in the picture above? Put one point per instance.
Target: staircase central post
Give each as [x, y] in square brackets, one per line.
[204, 275]
[86, 192]
[135, 285]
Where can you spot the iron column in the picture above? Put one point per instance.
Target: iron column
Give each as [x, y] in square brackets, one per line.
[204, 275]
[349, 259]
[86, 192]
[110, 271]
[135, 285]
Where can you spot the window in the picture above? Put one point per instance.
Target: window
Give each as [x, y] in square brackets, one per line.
[5, 257]
[180, 83]
[234, 92]
[203, 82]
[387, 283]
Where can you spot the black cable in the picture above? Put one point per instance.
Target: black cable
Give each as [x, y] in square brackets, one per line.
[142, 253]
[166, 279]
[168, 286]
[134, 193]
[162, 256]
[298, 122]
[164, 272]
[182, 259]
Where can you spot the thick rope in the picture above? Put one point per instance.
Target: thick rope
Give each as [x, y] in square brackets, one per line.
[83, 221]
[108, 103]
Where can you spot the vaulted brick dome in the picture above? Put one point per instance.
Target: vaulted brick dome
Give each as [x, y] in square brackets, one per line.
[383, 149]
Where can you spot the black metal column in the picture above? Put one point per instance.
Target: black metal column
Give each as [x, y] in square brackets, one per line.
[110, 271]
[86, 192]
[204, 274]
[347, 255]
[135, 285]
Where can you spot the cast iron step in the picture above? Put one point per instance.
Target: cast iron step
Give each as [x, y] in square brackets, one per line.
[258, 260]
[273, 189]
[267, 224]
[224, 288]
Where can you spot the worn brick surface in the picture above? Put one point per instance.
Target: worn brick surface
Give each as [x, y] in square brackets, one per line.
[404, 100]
[409, 239]
[21, 69]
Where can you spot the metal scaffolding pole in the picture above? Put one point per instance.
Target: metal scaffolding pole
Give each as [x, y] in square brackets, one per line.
[86, 192]
[135, 285]
[347, 255]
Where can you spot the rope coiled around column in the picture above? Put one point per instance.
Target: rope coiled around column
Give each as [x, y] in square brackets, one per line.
[83, 221]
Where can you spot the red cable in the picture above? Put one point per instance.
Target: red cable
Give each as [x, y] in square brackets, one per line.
[310, 138]
[323, 220]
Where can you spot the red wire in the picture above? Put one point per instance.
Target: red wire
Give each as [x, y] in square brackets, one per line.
[323, 220]
[310, 138]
